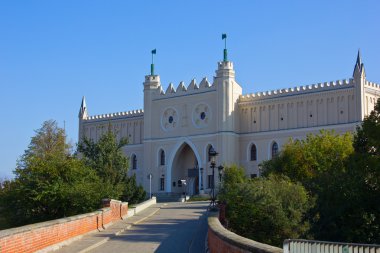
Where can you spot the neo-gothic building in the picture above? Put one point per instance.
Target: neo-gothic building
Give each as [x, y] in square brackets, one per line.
[171, 137]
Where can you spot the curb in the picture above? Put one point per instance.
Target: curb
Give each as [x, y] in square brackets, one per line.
[106, 239]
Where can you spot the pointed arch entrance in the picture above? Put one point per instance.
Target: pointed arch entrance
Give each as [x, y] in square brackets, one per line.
[183, 165]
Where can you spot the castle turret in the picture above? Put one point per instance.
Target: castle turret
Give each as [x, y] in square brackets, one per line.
[152, 85]
[228, 92]
[83, 114]
[359, 79]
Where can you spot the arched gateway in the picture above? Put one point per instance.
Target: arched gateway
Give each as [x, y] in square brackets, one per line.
[183, 165]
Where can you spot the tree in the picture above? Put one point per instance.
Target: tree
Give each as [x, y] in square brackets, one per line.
[363, 178]
[312, 159]
[49, 182]
[107, 159]
[133, 193]
[267, 210]
[344, 178]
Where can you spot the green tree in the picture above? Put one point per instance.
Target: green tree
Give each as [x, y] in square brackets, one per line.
[344, 178]
[312, 159]
[133, 193]
[267, 210]
[362, 219]
[49, 182]
[107, 159]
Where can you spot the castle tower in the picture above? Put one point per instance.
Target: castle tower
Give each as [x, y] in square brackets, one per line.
[228, 92]
[359, 79]
[83, 114]
[151, 86]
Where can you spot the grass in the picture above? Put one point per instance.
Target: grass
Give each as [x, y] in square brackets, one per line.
[198, 198]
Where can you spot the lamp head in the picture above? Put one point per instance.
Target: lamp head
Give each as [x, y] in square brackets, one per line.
[212, 154]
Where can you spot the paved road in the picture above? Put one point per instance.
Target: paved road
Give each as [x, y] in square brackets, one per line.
[177, 227]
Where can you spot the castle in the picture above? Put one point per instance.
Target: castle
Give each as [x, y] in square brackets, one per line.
[171, 137]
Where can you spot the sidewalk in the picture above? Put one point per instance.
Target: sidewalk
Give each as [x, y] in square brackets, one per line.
[95, 239]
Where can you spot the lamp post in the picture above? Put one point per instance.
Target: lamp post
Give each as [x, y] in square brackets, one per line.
[212, 154]
[220, 170]
[150, 185]
[201, 179]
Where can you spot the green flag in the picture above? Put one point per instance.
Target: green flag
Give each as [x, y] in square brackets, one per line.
[224, 36]
[154, 51]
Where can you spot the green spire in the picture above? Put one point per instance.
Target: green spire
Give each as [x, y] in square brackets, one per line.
[224, 37]
[154, 51]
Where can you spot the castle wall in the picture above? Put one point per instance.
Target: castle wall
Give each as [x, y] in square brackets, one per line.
[217, 114]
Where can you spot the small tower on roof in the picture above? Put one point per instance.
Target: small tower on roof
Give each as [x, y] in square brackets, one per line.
[152, 86]
[83, 113]
[359, 70]
[359, 79]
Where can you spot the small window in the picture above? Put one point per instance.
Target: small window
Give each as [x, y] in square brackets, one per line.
[162, 157]
[210, 181]
[253, 156]
[134, 162]
[253, 175]
[274, 149]
[179, 183]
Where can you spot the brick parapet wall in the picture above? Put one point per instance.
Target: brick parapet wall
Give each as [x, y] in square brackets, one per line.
[221, 240]
[31, 238]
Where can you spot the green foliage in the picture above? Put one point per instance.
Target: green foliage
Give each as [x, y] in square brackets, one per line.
[309, 160]
[133, 194]
[267, 210]
[344, 178]
[49, 182]
[107, 159]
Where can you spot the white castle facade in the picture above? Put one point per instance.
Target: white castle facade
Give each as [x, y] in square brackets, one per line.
[171, 137]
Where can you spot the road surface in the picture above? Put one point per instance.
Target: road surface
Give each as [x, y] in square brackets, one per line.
[177, 227]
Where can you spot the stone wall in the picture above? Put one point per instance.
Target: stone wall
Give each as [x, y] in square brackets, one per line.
[34, 237]
[221, 240]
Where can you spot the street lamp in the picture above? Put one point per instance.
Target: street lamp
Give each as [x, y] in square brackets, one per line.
[212, 154]
[201, 179]
[150, 185]
[220, 170]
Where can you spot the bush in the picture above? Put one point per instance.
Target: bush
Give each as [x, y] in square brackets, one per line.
[267, 210]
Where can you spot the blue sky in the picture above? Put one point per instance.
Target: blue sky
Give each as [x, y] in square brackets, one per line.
[54, 52]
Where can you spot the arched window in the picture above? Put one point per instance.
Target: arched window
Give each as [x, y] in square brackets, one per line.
[208, 151]
[253, 153]
[274, 149]
[162, 157]
[134, 162]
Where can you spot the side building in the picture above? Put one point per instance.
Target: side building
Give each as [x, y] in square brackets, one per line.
[171, 137]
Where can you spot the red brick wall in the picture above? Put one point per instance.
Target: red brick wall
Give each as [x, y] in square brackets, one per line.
[221, 240]
[37, 236]
[217, 245]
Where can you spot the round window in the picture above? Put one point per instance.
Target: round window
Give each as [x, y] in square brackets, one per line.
[203, 115]
[170, 119]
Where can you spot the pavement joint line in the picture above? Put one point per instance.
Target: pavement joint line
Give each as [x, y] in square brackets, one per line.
[95, 245]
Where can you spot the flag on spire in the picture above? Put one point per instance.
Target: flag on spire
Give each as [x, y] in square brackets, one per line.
[224, 37]
[154, 51]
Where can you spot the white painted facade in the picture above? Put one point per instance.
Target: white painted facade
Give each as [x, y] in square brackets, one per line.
[183, 122]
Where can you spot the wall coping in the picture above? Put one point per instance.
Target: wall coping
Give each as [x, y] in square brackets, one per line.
[30, 227]
[237, 240]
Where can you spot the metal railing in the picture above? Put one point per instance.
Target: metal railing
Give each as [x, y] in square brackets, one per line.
[309, 246]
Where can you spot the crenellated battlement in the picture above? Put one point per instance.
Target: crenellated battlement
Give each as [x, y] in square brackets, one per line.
[320, 87]
[182, 89]
[127, 114]
[372, 85]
